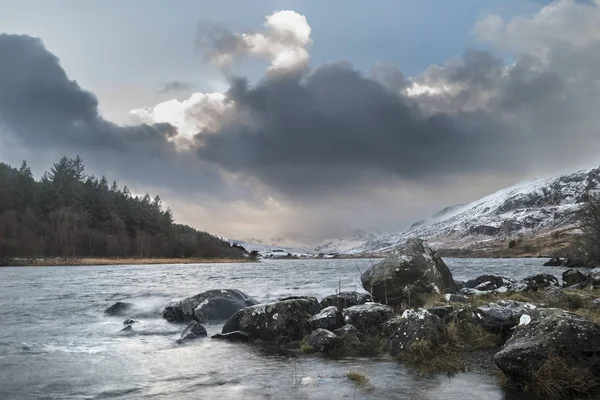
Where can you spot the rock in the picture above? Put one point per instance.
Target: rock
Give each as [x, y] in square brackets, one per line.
[408, 275]
[596, 303]
[494, 283]
[324, 341]
[346, 299]
[592, 280]
[503, 315]
[129, 322]
[193, 331]
[281, 321]
[346, 330]
[119, 308]
[539, 281]
[416, 325]
[212, 305]
[367, 317]
[456, 298]
[552, 333]
[442, 312]
[329, 318]
[572, 277]
[173, 311]
[554, 262]
[236, 336]
[128, 328]
[472, 292]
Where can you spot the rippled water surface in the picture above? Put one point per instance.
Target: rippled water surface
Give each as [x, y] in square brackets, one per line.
[55, 342]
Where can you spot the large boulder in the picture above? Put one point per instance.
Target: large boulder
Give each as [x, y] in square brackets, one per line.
[572, 277]
[554, 262]
[552, 333]
[282, 321]
[212, 305]
[119, 308]
[503, 315]
[346, 299]
[368, 317]
[193, 331]
[329, 318]
[324, 341]
[408, 275]
[416, 325]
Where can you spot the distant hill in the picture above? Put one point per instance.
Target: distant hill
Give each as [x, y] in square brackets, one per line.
[539, 214]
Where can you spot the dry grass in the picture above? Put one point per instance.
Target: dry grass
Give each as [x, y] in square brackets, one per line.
[470, 336]
[557, 380]
[48, 262]
[358, 377]
[428, 358]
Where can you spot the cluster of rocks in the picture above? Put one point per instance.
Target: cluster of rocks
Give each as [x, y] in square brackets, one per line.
[405, 280]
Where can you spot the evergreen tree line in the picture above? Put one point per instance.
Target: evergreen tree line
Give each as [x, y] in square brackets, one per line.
[68, 213]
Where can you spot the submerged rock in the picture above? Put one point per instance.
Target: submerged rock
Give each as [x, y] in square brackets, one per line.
[212, 305]
[553, 333]
[281, 321]
[193, 331]
[329, 318]
[119, 308]
[129, 322]
[346, 299]
[554, 262]
[127, 329]
[324, 341]
[368, 317]
[413, 326]
[236, 336]
[408, 275]
[503, 315]
[572, 277]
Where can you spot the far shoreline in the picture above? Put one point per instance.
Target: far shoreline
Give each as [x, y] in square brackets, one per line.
[102, 261]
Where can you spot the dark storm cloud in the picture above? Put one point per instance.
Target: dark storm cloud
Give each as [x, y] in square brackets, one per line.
[337, 126]
[175, 86]
[42, 109]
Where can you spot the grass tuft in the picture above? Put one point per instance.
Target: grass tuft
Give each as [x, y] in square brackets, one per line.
[427, 358]
[358, 377]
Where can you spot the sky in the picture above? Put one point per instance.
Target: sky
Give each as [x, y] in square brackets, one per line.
[303, 120]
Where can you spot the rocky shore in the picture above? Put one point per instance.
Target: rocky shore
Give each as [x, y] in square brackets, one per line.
[540, 335]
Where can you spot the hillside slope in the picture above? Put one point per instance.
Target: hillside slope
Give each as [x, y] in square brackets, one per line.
[527, 210]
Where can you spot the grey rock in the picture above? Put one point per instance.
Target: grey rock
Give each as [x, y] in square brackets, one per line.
[346, 299]
[503, 315]
[416, 325]
[193, 331]
[329, 318]
[551, 333]
[572, 277]
[540, 281]
[119, 308]
[456, 298]
[368, 317]
[212, 305]
[324, 341]
[129, 322]
[596, 303]
[442, 312]
[554, 262]
[346, 330]
[128, 328]
[281, 321]
[408, 275]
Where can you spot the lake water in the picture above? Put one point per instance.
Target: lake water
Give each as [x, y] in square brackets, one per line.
[56, 343]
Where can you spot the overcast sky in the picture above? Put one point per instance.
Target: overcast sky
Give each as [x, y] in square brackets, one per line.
[303, 119]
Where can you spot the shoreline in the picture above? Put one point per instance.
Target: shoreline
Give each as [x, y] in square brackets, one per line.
[100, 261]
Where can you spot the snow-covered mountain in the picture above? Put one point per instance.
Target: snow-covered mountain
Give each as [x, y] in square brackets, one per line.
[524, 209]
[271, 249]
[358, 238]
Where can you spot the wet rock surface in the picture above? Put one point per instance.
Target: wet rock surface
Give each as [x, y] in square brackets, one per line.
[281, 321]
[408, 275]
[572, 277]
[503, 315]
[212, 305]
[368, 317]
[346, 299]
[329, 318]
[324, 341]
[119, 308]
[416, 325]
[193, 331]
